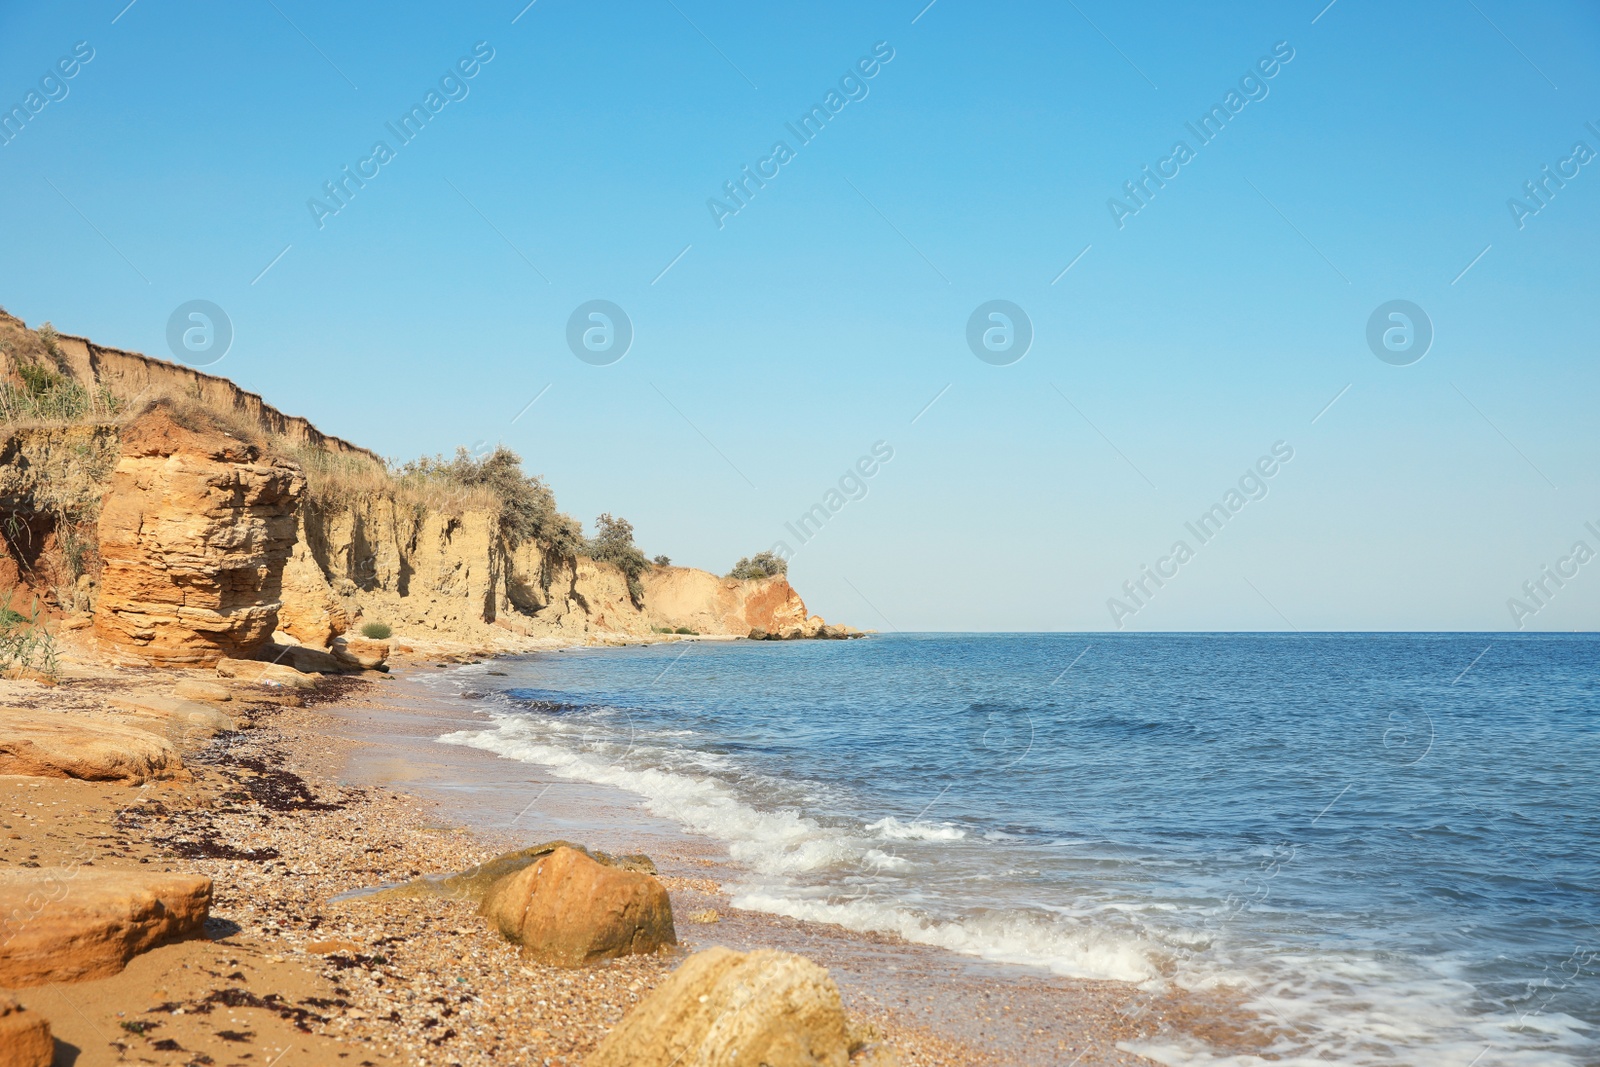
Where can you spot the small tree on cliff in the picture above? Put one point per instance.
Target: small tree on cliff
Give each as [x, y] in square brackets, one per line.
[613, 543]
[527, 506]
[761, 565]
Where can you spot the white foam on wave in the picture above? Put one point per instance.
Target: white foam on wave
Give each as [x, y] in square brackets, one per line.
[916, 830]
[770, 842]
[778, 846]
[1003, 937]
[1331, 1006]
[1365, 1010]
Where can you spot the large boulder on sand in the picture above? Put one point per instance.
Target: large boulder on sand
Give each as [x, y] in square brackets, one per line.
[360, 653]
[67, 924]
[24, 1036]
[734, 1009]
[262, 673]
[568, 910]
[58, 744]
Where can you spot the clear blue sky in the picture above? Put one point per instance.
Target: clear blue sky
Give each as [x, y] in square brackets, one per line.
[824, 316]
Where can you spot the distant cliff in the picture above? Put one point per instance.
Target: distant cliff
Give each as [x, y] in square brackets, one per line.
[173, 509]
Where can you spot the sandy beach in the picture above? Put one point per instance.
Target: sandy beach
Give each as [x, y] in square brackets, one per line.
[294, 816]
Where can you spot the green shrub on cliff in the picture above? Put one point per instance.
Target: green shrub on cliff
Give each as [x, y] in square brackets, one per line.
[376, 631]
[613, 543]
[761, 565]
[495, 483]
[527, 506]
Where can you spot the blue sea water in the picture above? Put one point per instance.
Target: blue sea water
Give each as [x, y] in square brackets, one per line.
[1390, 843]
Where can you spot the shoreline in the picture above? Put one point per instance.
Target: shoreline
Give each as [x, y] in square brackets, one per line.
[310, 802]
[994, 1012]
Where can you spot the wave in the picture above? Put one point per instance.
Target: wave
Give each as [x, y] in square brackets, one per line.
[915, 830]
[1339, 1005]
[778, 845]
[1003, 937]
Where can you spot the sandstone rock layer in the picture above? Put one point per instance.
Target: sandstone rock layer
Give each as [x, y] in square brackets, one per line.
[731, 1009]
[568, 910]
[59, 744]
[195, 529]
[60, 924]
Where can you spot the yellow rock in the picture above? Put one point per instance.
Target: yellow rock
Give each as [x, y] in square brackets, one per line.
[568, 910]
[57, 744]
[730, 1009]
[67, 924]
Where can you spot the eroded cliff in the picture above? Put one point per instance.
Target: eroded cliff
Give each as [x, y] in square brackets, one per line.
[171, 508]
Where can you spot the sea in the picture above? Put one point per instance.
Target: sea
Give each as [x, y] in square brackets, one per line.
[1388, 845]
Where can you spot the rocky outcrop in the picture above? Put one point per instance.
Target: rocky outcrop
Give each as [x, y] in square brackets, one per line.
[568, 910]
[195, 529]
[312, 613]
[178, 719]
[731, 1009]
[210, 544]
[70, 924]
[24, 1036]
[682, 597]
[59, 744]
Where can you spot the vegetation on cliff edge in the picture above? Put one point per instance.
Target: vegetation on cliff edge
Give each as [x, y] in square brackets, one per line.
[613, 543]
[761, 565]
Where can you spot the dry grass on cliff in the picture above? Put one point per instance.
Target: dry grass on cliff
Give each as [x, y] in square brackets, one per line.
[337, 480]
[522, 505]
[36, 386]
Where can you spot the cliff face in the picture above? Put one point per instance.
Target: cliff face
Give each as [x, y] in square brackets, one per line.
[189, 543]
[454, 576]
[195, 529]
[138, 377]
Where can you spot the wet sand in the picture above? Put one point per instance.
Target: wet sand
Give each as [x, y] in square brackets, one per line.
[974, 1010]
